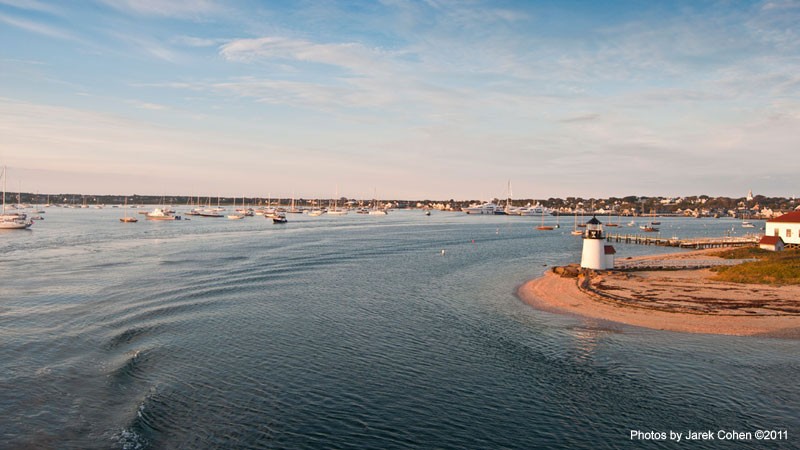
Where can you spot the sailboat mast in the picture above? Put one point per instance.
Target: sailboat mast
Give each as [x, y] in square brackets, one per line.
[542, 215]
[4, 189]
[508, 201]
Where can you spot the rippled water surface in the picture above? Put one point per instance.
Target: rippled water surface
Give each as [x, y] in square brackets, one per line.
[347, 332]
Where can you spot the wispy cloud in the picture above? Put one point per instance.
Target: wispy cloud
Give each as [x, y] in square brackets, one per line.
[466, 14]
[779, 5]
[187, 9]
[38, 28]
[192, 41]
[147, 46]
[352, 56]
[581, 118]
[148, 106]
[32, 5]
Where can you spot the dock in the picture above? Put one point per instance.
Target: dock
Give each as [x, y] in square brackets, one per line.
[695, 243]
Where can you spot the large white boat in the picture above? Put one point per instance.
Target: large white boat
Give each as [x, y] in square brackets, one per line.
[529, 210]
[484, 208]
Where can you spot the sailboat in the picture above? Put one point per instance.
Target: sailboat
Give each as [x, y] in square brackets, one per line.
[653, 215]
[543, 226]
[127, 218]
[11, 221]
[237, 215]
[612, 224]
[575, 231]
[336, 212]
[315, 211]
[581, 224]
[509, 208]
[293, 208]
[375, 211]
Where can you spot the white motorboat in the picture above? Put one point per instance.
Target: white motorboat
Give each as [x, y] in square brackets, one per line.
[160, 214]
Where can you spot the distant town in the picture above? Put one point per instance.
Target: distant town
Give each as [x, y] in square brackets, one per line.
[750, 206]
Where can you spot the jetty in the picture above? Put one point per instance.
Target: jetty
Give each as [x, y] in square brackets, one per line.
[695, 243]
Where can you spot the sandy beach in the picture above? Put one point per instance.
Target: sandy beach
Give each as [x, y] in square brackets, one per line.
[676, 300]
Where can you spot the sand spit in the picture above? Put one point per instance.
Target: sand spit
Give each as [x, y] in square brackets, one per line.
[676, 300]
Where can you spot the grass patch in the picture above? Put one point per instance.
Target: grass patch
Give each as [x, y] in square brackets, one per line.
[744, 253]
[772, 268]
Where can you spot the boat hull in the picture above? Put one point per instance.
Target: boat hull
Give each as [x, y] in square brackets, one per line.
[14, 225]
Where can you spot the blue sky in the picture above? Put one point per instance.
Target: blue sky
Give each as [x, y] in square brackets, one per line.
[410, 99]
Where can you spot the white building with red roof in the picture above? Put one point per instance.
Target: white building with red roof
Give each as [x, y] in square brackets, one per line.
[787, 227]
[771, 243]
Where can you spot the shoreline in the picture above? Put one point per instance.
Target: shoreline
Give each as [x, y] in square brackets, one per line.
[676, 300]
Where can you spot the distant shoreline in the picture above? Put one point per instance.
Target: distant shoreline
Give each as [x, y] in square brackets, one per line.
[676, 300]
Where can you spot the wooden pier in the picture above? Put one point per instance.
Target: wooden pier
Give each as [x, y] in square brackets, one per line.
[696, 243]
[676, 264]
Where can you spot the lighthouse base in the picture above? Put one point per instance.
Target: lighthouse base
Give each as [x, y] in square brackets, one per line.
[593, 256]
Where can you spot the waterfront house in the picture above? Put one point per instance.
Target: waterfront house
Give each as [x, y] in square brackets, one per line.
[771, 243]
[787, 227]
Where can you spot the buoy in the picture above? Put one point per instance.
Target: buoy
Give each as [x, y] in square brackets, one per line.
[442, 252]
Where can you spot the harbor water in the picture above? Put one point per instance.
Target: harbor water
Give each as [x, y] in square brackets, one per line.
[349, 332]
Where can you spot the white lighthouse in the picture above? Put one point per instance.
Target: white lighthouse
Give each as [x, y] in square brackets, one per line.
[594, 251]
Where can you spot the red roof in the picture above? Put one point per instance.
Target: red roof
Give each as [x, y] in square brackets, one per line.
[770, 240]
[793, 217]
[609, 250]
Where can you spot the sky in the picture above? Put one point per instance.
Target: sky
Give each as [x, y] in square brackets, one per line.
[432, 99]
